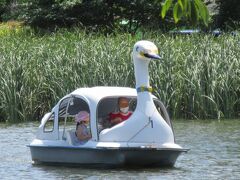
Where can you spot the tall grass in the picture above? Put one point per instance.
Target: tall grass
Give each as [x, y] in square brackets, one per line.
[198, 77]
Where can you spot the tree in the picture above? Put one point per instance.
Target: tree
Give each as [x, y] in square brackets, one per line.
[2, 8]
[93, 13]
[11, 9]
[192, 10]
[229, 14]
[109, 14]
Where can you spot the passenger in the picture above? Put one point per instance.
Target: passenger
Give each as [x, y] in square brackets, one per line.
[82, 133]
[123, 113]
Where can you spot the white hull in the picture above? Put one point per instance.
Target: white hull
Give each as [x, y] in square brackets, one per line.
[119, 157]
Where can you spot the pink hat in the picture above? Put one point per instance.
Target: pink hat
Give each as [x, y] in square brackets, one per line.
[81, 116]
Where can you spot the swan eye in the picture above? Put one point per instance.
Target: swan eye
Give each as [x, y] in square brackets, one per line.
[141, 53]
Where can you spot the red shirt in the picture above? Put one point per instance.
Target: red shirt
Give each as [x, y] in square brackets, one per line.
[120, 115]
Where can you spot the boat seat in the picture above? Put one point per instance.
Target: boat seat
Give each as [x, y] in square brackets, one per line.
[70, 135]
[103, 122]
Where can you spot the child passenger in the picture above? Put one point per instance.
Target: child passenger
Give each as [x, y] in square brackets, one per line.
[82, 133]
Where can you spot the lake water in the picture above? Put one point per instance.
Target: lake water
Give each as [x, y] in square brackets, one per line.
[214, 154]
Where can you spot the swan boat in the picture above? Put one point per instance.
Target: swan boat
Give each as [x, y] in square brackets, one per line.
[145, 139]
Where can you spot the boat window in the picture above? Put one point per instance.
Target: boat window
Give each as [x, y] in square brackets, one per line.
[163, 111]
[68, 108]
[49, 125]
[108, 105]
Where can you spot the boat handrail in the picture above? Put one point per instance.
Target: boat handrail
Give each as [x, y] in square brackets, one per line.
[65, 118]
[69, 136]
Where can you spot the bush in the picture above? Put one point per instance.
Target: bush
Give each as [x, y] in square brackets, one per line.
[2, 8]
[229, 14]
[127, 15]
[11, 27]
[93, 13]
[11, 9]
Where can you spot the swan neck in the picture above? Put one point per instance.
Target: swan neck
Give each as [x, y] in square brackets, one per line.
[141, 73]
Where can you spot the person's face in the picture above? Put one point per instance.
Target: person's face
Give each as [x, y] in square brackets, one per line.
[86, 120]
[123, 103]
[123, 106]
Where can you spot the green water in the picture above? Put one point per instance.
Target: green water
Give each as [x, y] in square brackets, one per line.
[214, 154]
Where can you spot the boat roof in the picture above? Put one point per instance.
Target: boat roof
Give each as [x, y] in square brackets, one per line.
[100, 92]
[93, 95]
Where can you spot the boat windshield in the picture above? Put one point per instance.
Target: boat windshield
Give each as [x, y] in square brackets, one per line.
[68, 108]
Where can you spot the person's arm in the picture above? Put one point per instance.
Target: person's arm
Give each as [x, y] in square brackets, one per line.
[116, 120]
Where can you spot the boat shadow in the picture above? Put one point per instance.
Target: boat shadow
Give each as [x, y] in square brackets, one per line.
[104, 167]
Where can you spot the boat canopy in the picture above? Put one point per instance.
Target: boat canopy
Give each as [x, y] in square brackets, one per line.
[99, 102]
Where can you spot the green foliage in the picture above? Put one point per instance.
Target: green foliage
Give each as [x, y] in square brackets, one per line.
[3, 3]
[94, 13]
[229, 14]
[11, 9]
[11, 27]
[197, 78]
[130, 14]
[2, 8]
[192, 10]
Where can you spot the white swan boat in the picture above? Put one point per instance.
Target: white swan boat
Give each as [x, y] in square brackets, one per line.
[145, 139]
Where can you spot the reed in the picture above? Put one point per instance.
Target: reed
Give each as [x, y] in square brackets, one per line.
[198, 76]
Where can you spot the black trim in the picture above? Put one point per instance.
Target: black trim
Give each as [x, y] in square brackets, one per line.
[114, 148]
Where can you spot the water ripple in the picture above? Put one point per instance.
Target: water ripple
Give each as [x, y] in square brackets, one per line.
[214, 154]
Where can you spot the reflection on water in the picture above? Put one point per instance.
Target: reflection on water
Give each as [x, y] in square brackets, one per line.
[214, 154]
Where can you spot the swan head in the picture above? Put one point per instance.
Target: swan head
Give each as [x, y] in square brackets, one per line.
[145, 50]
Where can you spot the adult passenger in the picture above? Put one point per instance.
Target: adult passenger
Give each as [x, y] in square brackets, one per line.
[123, 112]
